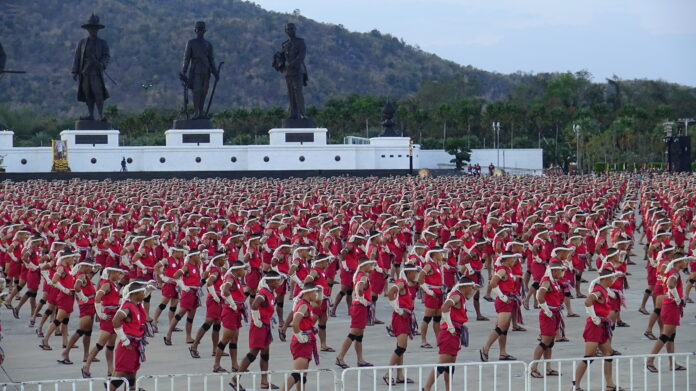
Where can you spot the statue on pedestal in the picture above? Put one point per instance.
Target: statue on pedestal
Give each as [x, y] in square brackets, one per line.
[388, 125]
[290, 62]
[89, 67]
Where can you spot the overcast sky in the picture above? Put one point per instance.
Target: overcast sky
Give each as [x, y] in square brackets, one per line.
[653, 39]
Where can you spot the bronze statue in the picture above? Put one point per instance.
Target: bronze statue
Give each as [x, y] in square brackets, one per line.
[89, 67]
[3, 58]
[290, 61]
[199, 55]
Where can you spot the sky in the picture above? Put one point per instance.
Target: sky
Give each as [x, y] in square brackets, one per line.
[654, 39]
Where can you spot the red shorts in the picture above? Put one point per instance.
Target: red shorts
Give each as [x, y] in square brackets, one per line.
[579, 264]
[281, 289]
[13, 269]
[401, 324]
[358, 316]
[52, 295]
[433, 302]
[259, 338]
[302, 350]
[213, 310]
[615, 303]
[127, 358]
[500, 306]
[538, 270]
[65, 302]
[33, 280]
[231, 320]
[23, 273]
[548, 326]
[659, 290]
[692, 267]
[189, 300]
[169, 291]
[346, 278]
[332, 270]
[671, 313]
[107, 324]
[322, 308]
[377, 282]
[449, 278]
[448, 343]
[652, 277]
[87, 309]
[594, 333]
[253, 278]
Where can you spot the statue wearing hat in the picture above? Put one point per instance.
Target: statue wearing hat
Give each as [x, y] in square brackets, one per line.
[290, 62]
[91, 59]
[198, 65]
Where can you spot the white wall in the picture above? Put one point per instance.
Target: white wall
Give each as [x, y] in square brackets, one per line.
[512, 160]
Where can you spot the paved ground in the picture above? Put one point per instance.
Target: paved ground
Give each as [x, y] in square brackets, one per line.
[25, 361]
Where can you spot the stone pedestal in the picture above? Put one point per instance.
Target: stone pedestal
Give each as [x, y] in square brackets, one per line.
[93, 138]
[194, 137]
[89, 124]
[193, 124]
[6, 139]
[298, 123]
[297, 136]
[390, 141]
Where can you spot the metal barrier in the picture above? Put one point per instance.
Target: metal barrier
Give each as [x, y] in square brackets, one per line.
[629, 372]
[491, 376]
[317, 379]
[92, 384]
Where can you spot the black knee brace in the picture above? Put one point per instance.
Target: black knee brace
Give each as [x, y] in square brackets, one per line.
[567, 294]
[648, 292]
[147, 299]
[322, 327]
[543, 346]
[17, 283]
[427, 319]
[692, 281]
[340, 295]
[88, 333]
[189, 320]
[31, 294]
[42, 302]
[48, 312]
[251, 357]
[232, 345]
[578, 278]
[280, 304]
[216, 327]
[664, 338]
[296, 376]
[500, 331]
[110, 347]
[204, 326]
[551, 344]
[99, 347]
[443, 369]
[588, 362]
[671, 337]
[221, 346]
[247, 294]
[359, 339]
[116, 383]
[437, 319]
[352, 337]
[265, 357]
[535, 285]
[56, 322]
[178, 317]
[80, 332]
[657, 311]
[173, 309]
[399, 351]
[609, 360]
[349, 292]
[65, 320]
[162, 306]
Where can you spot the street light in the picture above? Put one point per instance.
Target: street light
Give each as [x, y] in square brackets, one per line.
[496, 139]
[576, 129]
[686, 121]
[669, 139]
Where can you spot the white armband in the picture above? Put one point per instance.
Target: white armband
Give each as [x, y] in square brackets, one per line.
[122, 336]
[211, 290]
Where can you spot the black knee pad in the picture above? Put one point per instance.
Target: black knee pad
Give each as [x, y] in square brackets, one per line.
[221, 346]
[304, 379]
[42, 302]
[265, 357]
[443, 369]
[359, 339]
[664, 338]
[48, 312]
[247, 294]
[352, 337]
[671, 337]
[551, 344]
[16, 282]
[116, 383]
[88, 333]
[204, 326]
[349, 292]
[162, 306]
[535, 285]
[609, 360]
[427, 319]
[578, 278]
[648, 292]
[280, 304]
[692, 281]
[232, 345]
[99, 347]
[399, 351]
[56, 322]
[567, 294]
[588, 362]
[543, 346]
[251, 357]
[437, 319]
[110, 347]
[189, 320]
[80, 332]
[500, 331]
[657, 311]
[296, 376]
[147, 299]
[341, 294]
[216, 327]
[173, 309]
[178, 317]
[65, 320]
[31, 294]
[322, 327]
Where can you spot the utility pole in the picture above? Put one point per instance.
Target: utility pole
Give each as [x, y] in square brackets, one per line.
[576, 129]
[496, 140]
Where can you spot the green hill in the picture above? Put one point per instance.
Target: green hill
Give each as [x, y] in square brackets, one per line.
[147, 40]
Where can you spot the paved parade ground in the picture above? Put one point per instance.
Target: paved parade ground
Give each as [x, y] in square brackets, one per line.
[25, 361]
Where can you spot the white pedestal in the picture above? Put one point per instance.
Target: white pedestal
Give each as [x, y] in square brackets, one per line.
[84, 139]
[297, 136]
[194, 137]
[390, 141]
[6, 139]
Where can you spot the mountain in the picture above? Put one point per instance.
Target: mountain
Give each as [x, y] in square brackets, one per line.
[147, 40]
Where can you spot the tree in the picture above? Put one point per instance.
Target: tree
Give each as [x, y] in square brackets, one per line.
[458, 148]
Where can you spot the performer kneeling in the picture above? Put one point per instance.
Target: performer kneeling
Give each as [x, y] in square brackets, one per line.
[453, 332]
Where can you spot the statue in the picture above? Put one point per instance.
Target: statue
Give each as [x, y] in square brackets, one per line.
[388, 125]
[290, 61]
[199, 55]
[89, 67]
[3, 58]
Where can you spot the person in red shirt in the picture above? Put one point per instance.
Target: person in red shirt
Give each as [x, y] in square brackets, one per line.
[453, 331]
[85, 292]
[188, 278]
[359, 313]
[319, 276]
[165, 270]
[64, 281]
[672, 311]
[233, 310]
[260, 338]
[350, 254]
[431, 281]
[550, 298]
[213, 304]
[303, 347]
[130, 328]
[598, 327]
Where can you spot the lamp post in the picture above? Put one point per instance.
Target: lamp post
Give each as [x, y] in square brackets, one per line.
[576, 129]
[668, 139]
[496, 140]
